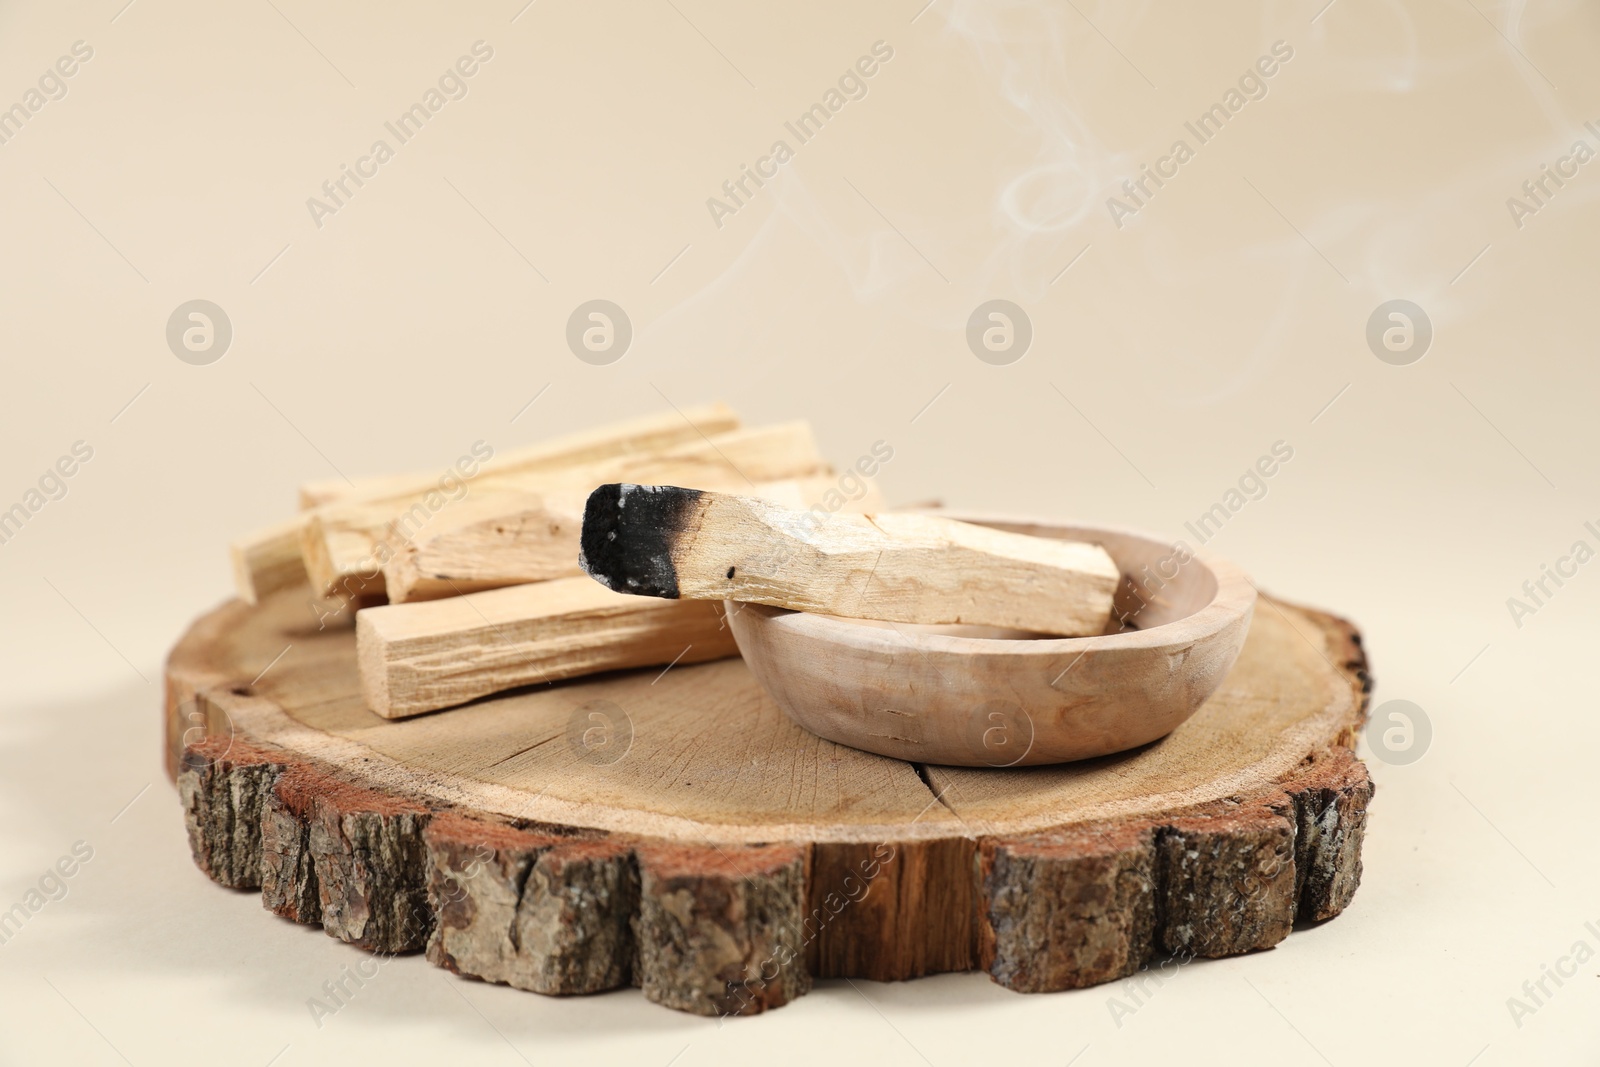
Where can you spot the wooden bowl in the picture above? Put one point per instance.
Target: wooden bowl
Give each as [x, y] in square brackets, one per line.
[928, 695]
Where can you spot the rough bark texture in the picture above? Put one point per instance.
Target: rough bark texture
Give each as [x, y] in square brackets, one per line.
[1094, 904]
[1331, 819]
[719, 930]
[367, 859]
[223, 788]
[288, 875]
[321, 851]
[1225, 881]
[538, 912]
[1069, 909]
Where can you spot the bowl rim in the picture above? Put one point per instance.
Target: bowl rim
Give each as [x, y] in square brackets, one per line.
[1233, 599]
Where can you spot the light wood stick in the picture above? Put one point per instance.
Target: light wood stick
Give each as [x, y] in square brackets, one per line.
[665, 541]
[415, 658]
[346, 545]
[649, 434]
[511, 538]
[265, 559]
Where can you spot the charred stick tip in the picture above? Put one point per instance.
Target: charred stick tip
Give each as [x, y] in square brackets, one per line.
[629, 532]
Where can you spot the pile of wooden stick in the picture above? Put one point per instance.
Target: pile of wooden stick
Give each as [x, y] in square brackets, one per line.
[618, 547]
[467, 580]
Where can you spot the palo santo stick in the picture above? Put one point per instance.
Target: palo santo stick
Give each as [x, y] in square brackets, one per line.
[488, 542]
[262, 559]
[509, 539]
[267, 561]
[345, 546]
[664, 541]
[421, 657]
[652, 433]
[643, 436]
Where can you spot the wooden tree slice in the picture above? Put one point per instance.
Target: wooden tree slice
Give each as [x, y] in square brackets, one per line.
[675, 831]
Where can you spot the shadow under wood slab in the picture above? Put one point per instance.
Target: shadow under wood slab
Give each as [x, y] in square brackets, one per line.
[714, 854]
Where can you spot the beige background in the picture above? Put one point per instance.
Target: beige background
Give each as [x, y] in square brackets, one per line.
[428, 312]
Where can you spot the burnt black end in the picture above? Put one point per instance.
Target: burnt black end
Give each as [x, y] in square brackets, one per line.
[628, 535]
